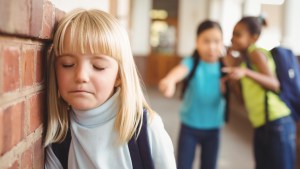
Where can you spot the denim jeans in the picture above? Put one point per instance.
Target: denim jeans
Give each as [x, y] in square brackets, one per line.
[189, 138]
[275, 144]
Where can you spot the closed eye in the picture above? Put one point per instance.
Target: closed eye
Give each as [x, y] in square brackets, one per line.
[67, 65]
[98, 68]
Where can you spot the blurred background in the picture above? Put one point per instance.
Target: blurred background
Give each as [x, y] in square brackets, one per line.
[161, 32]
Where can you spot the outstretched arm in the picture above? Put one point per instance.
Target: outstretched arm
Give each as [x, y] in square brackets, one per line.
[167, 85]
[264, 75]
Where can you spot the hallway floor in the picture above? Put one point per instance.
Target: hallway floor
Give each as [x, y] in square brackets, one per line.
[236, 140]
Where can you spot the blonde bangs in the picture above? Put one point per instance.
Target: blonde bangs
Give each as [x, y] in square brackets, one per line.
[96, 32]
[87, 35]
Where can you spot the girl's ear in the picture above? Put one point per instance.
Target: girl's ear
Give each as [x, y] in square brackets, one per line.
[254, 38]
[118, 82]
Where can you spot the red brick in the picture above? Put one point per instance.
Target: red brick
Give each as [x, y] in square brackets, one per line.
[11, 75]
[28, 65]
[38, 156]
[27, 159]
[40, 65]
[48, 20]
[37, 103]
[15, 165]
[1, 70]
[59, 15]
[36, 17]
[13, 126]
[14, 16]
[1, 132]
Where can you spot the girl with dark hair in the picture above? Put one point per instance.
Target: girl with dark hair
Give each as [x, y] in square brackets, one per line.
[202, 111]
[274, 134]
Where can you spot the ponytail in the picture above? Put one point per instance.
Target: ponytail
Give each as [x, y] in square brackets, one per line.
[262, 19]
[254, 24]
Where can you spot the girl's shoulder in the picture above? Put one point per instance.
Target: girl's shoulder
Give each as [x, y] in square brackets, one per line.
[188, 62]
[187, 59]
[258, 53]
[253, 48]
[155, 125]
[154, 120]
[160, 143]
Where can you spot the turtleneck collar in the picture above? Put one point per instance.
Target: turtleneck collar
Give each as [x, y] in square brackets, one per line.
[99, 115]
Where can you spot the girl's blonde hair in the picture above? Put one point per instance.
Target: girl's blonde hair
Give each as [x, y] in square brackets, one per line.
[101, 34]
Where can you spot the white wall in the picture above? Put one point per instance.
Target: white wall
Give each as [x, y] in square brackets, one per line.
[231, 13]
[140, 27]
[215, 9]
[251, 7]
[104, 5]
[123, 14]
[67, 5]
[191, 13]
[271, 35]
[282, 20]
[291, 25]
[283, 25]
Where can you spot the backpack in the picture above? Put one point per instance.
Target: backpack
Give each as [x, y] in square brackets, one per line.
[138, 147]
[288, 74]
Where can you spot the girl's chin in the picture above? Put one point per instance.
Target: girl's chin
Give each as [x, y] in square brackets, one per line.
[211, 59]
[84, 107]
[234, 48]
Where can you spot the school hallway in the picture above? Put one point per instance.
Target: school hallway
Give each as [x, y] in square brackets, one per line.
[236, 139]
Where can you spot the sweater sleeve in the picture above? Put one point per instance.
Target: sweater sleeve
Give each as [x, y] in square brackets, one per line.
[160, 145]
[51, 161]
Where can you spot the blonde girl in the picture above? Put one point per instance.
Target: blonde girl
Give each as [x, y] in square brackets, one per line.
[94, 94]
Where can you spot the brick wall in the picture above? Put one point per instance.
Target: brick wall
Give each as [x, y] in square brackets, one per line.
[25, 32]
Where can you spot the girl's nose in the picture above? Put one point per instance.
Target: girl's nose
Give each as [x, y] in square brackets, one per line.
[213, 47]
[82, 74]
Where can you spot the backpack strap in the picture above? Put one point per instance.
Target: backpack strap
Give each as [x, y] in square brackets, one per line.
[266, 105]
[227, 93]
[139, 148]
[186, 81]
[61, 150]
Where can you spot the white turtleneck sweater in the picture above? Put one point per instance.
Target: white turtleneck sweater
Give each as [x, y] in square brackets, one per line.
[94, 141]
